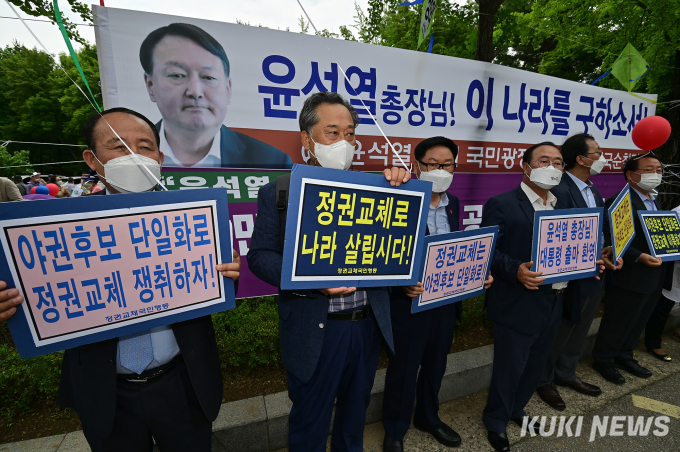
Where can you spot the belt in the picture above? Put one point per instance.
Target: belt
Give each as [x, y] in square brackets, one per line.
[354, 316]
[151, 374]
[556, 291]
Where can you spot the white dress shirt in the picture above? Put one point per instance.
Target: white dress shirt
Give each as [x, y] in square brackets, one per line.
[537, 203]
[212, 158]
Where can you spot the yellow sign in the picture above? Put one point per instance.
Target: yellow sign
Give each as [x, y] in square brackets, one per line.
[621, 220]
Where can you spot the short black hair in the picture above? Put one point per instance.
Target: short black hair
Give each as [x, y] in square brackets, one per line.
[429, 143]
[526, 158]
[17, 179]
[191, 32]
[91, 123]
[70, 180]
[574, 146]
[308, 117]
[633, 163]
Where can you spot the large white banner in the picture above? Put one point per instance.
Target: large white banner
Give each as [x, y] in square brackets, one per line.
[493, 112]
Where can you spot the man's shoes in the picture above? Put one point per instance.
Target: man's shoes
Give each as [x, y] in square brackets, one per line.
[445, 435]
[609, 372]
[392, 445]
[581, 387]
[499, 441]
[548, 393]
[632, 367]
[520, 421]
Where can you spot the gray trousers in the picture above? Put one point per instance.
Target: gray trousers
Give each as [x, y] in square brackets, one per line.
[568, 345]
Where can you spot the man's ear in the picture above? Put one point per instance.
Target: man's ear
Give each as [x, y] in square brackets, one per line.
[306, 141]
[229, 91]
[162, 159]
[89, 158]
[148, 82]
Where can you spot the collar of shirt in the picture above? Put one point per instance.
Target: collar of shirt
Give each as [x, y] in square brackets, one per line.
[536, 201]
[171, 160]
[642, 196]
[443, 202]
[579, 183]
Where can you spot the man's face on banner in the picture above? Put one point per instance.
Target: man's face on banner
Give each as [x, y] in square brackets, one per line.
[189, 85]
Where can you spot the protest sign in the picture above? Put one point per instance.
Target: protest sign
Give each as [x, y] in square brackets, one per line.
[455, 266]
[113, 266]
[567, 243]
[345, 228]
[662, 230]
[621, 222]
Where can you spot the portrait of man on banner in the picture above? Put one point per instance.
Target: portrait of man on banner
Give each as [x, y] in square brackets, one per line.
[187, 75]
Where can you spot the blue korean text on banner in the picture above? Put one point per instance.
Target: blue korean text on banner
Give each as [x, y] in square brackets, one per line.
[352, 229]
[454, 266]
[567, 243]
[662, 231]
[92, 269]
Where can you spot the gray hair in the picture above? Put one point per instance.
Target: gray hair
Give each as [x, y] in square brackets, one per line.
[309, 118]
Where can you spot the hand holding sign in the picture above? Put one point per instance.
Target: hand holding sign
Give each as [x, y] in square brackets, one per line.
[649, 261]
[231, 270]
[9, 299]
[396, 176]
[530, 280]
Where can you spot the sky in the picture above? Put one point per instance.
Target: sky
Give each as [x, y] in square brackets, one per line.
[325, 14]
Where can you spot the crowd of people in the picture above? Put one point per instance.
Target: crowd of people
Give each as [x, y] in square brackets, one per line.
[165, 384]
[20, 188]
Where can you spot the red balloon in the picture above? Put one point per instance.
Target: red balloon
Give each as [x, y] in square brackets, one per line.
[54, 189]
[651, 133]
[33, 190]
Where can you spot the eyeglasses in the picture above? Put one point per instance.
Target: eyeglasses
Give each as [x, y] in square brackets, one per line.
[449, 167]
[542, 163]
[598, 153]
[649, 171]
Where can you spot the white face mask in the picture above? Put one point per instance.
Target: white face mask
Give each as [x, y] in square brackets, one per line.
[338, 155]
[441, 180]
[127, 176]
[649, 181]
[598, 165]
[546, 177]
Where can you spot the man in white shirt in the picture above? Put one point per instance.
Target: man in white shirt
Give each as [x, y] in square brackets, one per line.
[526, 315]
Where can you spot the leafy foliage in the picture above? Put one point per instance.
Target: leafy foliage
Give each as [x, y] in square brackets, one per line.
[248, 336]
[43, 105]
[26, 381]
[13, 159]
[45, 8]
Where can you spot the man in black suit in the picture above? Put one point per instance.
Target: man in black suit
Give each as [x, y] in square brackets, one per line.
[330, 338]
[423, 340]
[632, 292]
[187, 75]
[583, 158]
[526, 315]
[172, 390]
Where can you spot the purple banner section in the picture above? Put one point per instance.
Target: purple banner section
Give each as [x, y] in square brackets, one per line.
[472, 189]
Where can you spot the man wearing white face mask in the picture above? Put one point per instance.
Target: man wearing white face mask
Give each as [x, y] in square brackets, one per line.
[636, 288]
[583, 158]
[330, 338]
[526, 315]
[164, 384]
[422, 341]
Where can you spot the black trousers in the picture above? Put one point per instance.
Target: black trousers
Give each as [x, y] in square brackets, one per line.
[165, 410]
[625, 316]
[657, 322]
[518, 363]
[346, 370]
[403, 383]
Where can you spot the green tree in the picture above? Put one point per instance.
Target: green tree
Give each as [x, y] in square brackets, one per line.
[45, 8]
[581, 39]
[14, 159]
[43, 105]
